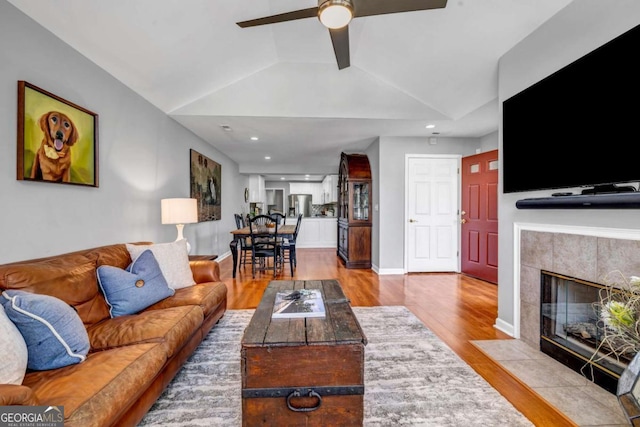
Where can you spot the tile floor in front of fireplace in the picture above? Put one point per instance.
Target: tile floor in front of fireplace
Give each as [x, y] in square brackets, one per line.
[583, 402]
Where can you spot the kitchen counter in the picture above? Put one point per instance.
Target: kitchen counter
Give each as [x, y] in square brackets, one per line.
[316, 231]
[293, 218]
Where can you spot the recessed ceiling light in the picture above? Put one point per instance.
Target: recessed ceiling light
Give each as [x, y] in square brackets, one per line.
[254, 138]
[430, 126]
[306, 176]
[267, 157]
[282, 177]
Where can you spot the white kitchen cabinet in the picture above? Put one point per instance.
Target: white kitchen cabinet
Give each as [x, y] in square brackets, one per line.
[329, 233]
[330, 189]
[298, 188]
[257, 192]
[317, 233]
[313, 188]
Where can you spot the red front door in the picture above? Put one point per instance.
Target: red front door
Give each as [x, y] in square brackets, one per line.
[479, 216]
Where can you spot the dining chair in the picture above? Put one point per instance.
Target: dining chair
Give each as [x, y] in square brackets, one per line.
[265, 245]
[288, 247]
[245, 242]
[278, 216]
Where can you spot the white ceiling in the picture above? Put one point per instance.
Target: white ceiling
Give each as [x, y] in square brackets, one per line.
[280, 82]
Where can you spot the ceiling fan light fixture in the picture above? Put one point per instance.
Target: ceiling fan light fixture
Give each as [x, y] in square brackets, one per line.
[335, 13]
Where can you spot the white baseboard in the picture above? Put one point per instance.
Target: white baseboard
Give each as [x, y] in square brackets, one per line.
[223, 256]
[505, 327]
[388, 271]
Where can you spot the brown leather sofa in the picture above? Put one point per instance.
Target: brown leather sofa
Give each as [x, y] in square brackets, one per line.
[132, 358]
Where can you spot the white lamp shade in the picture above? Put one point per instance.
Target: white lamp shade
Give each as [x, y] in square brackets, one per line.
[179, 211]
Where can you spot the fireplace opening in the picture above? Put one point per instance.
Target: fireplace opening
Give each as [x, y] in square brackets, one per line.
[571, 331]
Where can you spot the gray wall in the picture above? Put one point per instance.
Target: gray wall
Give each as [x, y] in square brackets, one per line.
[373, 153]
[576, 30]
[489, 142]
[144, 157]
[391, 176]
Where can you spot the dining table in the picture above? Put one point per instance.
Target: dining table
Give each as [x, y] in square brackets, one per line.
[284, 231]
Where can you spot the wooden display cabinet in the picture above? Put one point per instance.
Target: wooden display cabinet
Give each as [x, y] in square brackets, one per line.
[354, 211]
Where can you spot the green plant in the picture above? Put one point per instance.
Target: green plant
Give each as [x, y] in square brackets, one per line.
[619, 310]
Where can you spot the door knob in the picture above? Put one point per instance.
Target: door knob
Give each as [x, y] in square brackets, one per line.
[413, 220]
[463, 213]
[463, 221]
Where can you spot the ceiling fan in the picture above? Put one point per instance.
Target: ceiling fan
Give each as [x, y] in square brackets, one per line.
[336, 15]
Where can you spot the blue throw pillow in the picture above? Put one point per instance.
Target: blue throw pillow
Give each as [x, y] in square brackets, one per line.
[52, 330]
[134, 289]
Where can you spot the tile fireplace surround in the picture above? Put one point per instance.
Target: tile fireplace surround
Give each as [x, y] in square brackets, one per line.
[584, 256]
[585, 253]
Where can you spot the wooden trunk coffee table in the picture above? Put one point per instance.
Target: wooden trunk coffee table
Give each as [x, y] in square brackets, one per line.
[305, 371]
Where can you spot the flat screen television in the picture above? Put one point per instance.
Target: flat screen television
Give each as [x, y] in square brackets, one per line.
[578, 127]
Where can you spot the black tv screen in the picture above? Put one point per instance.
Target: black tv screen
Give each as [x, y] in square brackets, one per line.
[578, 127]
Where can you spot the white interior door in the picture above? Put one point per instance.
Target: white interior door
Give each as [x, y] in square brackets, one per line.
[431, 230]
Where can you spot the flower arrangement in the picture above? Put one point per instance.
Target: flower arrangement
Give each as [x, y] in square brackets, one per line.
[619, 312]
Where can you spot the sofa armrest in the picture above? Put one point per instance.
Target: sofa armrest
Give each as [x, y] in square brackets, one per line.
[205, 271]
[12, 394]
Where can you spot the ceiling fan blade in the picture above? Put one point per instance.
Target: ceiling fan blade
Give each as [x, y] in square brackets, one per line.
[312, 12]
[382, 7]
[340, 40]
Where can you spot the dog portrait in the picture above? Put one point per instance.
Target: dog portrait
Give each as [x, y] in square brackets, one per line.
[57, 140]
[53, 158]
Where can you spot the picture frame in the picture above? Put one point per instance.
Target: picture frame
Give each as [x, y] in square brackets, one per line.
[206, 186]
[57, 139]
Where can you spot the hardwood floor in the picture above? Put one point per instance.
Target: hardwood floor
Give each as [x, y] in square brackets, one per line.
[455, 307]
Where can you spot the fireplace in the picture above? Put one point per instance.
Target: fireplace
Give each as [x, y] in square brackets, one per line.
[570, 329]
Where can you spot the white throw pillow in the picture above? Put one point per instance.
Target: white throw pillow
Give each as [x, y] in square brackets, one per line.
[173, 259]
[13, 351]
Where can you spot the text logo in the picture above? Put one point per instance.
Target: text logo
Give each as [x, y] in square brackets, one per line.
[31, 416]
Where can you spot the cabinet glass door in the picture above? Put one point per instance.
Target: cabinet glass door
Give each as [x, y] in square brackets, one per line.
[343, 202]
[361, 201]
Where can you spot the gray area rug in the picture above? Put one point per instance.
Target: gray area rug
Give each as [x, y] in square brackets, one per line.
[412, 378]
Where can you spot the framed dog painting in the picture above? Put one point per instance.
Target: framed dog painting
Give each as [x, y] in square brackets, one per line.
[206, 186]
[57, 140]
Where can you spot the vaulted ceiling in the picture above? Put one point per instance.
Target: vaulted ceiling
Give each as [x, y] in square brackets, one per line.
[280, 82]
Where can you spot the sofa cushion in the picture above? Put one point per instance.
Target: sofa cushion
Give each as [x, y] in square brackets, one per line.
[208, 296]
[134, 289]
[52, 330]
[95, 392]
[173, 259]
[172, 327]
[13, 351]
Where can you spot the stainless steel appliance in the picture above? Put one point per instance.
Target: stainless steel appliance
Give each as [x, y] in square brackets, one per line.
[300, 203]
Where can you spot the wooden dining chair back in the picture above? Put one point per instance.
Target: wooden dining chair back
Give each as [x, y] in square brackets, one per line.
[278, 216]
[288, 247]
[239, 221]
[265, 245]
[245, 242]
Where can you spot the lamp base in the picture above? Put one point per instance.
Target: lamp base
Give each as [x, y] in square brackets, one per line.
[180, 227]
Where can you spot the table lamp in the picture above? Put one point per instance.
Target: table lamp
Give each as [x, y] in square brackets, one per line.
[179, 212]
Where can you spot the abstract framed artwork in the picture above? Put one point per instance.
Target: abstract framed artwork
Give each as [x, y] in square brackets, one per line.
[57, 140]
[206, 186]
